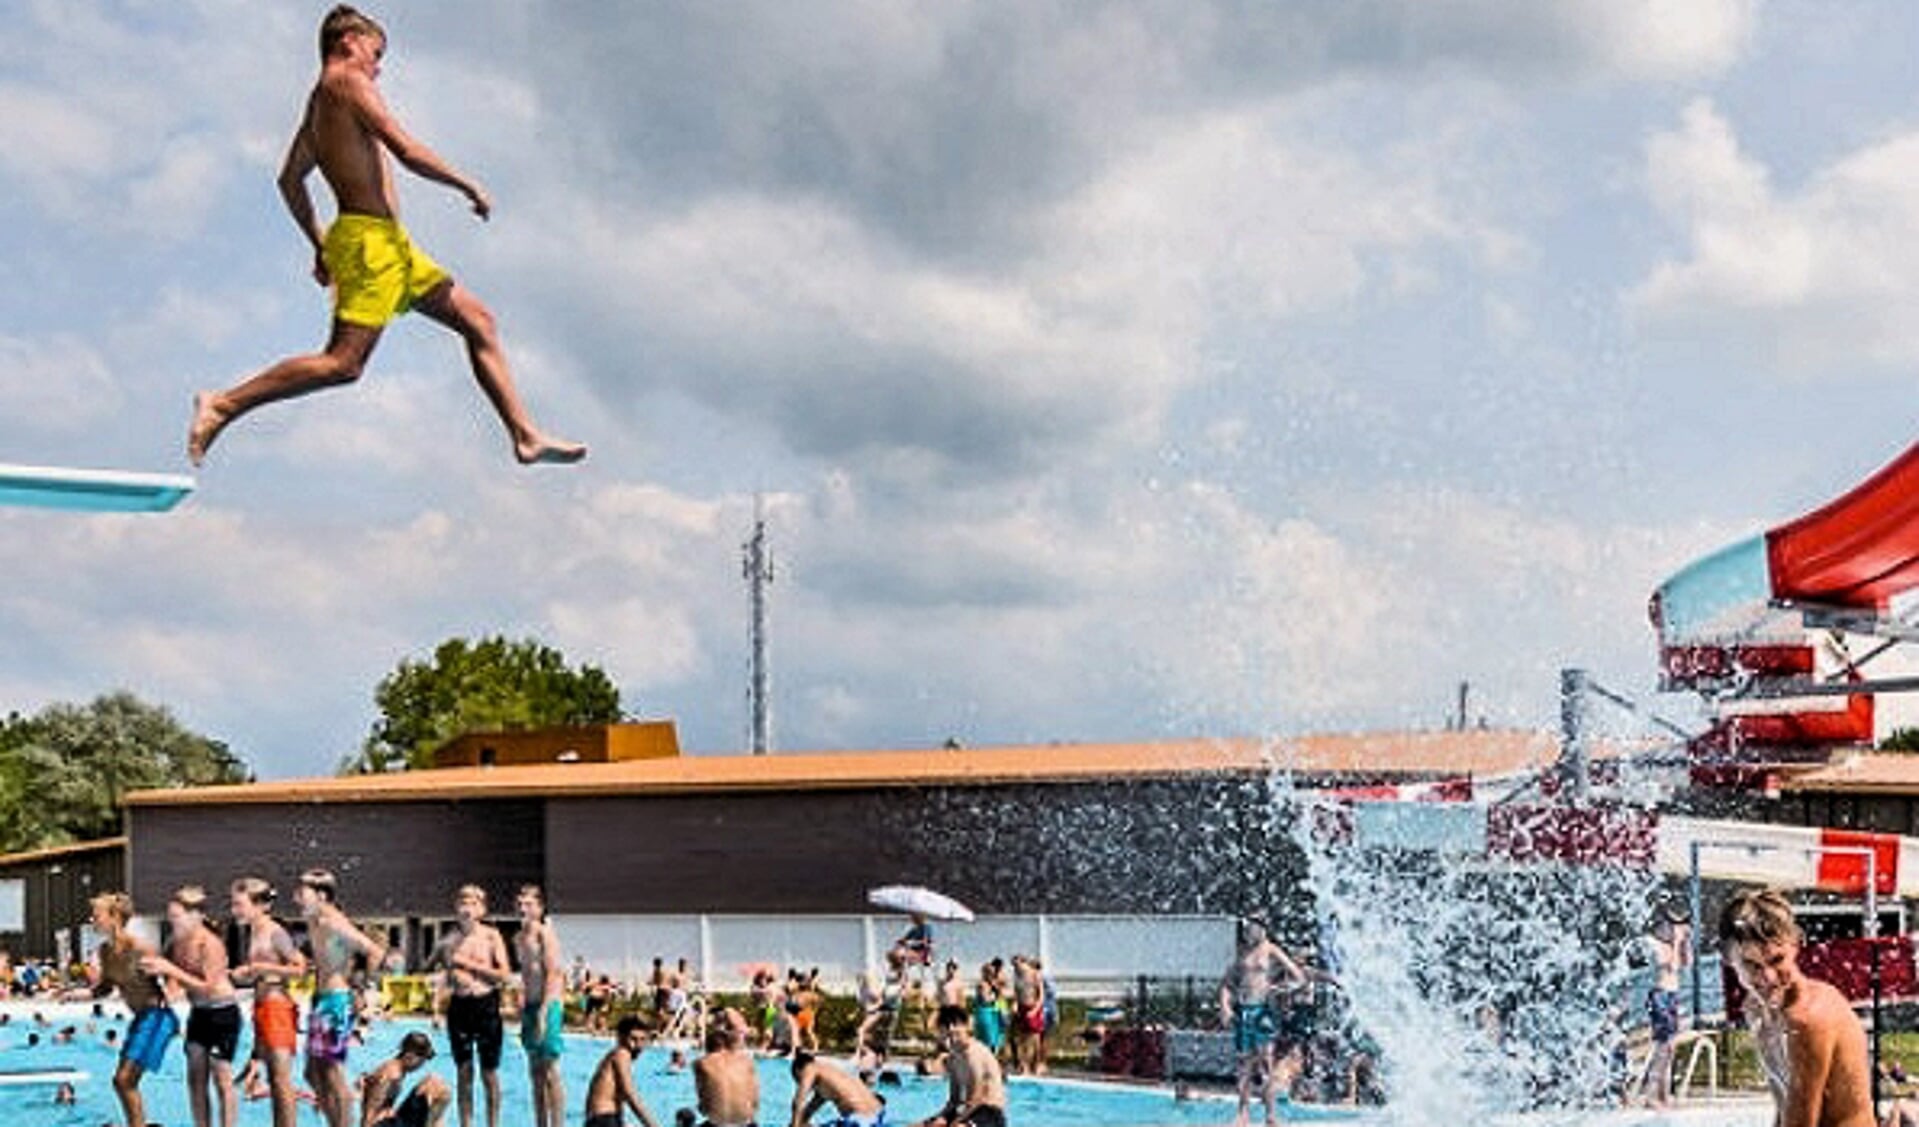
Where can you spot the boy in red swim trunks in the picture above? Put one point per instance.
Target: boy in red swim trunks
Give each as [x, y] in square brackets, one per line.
[272, 960]
[376, 271]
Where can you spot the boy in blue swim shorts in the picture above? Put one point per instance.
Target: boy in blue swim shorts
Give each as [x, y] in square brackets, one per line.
[123, 960]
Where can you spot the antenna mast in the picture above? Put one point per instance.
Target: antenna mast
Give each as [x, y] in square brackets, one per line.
[758, 569]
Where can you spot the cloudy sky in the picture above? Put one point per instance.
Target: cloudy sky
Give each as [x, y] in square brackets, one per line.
[1110, 370]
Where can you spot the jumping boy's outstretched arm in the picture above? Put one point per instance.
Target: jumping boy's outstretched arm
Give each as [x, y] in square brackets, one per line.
[363, 96]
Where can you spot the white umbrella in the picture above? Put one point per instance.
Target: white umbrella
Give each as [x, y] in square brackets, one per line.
[917, 901]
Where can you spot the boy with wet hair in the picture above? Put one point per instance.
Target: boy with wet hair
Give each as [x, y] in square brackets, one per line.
[1811, 1045]
[976, 1089]
[612, 1090]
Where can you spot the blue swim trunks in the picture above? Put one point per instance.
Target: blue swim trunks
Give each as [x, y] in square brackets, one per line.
[147, 1038]
[1662, 1011]
[1254, 1028]
[330, 1026]
[549, 1044]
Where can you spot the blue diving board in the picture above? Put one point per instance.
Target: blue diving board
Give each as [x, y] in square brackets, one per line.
[94, 491]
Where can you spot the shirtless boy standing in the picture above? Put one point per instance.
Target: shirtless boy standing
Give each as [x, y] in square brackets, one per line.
[376, 272]
[272, 960]
[976, 1089]
[612, 1090]
[1246, 1006]
[330, 1023]
[542, 1007]
[153, 1025]
[474, 956]
[1811, 1045]
[198, 962]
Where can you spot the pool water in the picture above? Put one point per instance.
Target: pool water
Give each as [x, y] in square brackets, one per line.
[1031, 1103]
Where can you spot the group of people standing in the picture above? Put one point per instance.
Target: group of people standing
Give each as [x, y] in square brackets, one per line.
[196, 962]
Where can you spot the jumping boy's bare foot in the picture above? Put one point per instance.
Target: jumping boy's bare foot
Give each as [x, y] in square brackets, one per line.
[207, 423]
[538, 449]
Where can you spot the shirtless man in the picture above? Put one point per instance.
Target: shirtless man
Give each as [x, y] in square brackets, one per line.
[380, 1101]
[975, 1088]
[1811, 1045]
[376, 272]
[476, 965]
[542, 1007]
[725, 1077]
[198, 961]
[817, 1083]
[1247, 1007]
[1672, 951]
[612, 1090]
[330, 1022]
[154, 1024]
[272, 960]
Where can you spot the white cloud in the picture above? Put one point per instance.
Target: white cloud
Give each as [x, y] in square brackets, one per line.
[1815, 278]
[58, 384]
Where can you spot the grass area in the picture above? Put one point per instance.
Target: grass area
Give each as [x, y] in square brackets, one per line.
[1741, 1060]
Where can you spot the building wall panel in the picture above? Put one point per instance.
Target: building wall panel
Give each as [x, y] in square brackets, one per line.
[394, 860]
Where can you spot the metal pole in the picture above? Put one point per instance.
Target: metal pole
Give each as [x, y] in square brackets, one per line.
[1872, 937]
[1695, 900]
[1572, 733]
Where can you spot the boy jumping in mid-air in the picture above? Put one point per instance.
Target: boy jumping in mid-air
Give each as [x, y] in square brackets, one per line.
[376, 271]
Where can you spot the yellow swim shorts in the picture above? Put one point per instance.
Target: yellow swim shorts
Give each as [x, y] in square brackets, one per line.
[377, 271]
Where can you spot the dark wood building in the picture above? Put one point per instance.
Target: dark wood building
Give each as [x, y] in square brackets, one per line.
[44, 895]
[1188, 828]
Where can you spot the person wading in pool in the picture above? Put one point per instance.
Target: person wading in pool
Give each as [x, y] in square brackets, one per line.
[1246, 1006]
[153, 1025]
[975, 1086]
[817, 1083]
[1811, 1045]
[474, 956]
[330, 1022]
[542, 1007]
[376, 272]
[272, 960]
[380, 1089]
[198, 962]
[724, 1078]
[612, 1090]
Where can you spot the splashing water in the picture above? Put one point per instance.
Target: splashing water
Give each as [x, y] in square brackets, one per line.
[1488, 987]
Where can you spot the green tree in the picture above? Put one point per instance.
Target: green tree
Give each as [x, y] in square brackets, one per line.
[1901, 739]
[490, 685]
[64, 770]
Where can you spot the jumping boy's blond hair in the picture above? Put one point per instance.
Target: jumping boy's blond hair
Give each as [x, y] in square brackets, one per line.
[342, 21]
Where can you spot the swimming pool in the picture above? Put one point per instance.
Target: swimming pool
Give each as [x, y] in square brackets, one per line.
[1033, 1103]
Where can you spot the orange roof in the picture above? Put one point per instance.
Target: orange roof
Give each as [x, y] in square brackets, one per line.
[1864, 773]
[55, 852]
[1415, 754]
